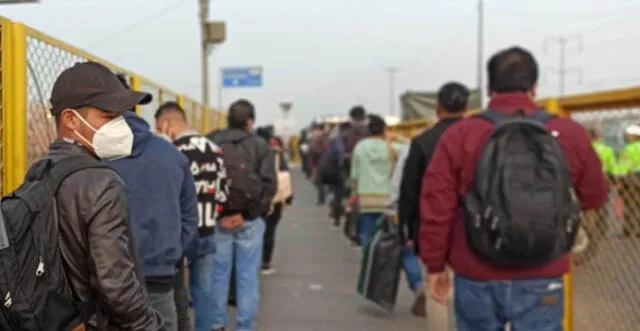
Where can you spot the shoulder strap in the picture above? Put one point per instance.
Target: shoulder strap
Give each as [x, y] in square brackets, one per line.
[542, 116]
[62, 169]
[494, 116]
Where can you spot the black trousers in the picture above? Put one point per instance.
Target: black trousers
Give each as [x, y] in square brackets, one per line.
[337, 204]
[269, 243]
[181, 296]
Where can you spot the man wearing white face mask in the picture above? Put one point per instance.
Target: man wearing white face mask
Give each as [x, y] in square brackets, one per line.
[94, 235]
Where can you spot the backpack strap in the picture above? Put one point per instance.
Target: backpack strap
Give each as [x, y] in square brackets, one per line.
[62, 169]
[497, 117]
[541, 115]
[494, 116]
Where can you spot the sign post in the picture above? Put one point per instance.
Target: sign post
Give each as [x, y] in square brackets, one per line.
[239, 77]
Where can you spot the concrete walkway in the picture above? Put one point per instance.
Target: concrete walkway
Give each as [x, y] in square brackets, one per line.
[315, 284]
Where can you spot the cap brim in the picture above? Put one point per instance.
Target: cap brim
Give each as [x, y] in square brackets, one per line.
[121, 101]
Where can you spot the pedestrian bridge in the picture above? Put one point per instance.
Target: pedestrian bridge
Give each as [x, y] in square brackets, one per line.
[315, 286]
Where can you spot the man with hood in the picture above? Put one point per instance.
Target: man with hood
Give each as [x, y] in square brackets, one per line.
[373, 162]
[163, 211]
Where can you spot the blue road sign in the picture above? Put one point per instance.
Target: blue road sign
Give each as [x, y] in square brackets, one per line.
[242, 77]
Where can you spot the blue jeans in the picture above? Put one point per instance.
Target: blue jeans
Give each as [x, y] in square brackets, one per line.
[529, 305]
[201, 282]
[367, 222]
[412, 269]
[246, 243]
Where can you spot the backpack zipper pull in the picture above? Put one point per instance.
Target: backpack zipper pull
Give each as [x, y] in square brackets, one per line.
[7, 300]
[40, 270]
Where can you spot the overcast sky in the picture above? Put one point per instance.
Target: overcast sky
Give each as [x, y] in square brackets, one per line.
[327, 55]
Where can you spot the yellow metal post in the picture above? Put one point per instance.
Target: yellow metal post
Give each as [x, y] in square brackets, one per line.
[180, 100]
[205, 119]
[136, 85]
[160, 96]
[553, 106]
[14, 109]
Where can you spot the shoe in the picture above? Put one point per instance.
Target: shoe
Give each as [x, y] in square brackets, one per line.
[420, 304]
[267, 269]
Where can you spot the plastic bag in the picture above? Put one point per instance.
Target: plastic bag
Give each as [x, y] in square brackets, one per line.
[380, 267]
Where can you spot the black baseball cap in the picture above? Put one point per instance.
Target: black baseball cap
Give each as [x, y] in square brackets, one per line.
[93, 84]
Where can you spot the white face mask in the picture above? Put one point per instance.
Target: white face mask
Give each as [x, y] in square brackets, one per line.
[113, 140]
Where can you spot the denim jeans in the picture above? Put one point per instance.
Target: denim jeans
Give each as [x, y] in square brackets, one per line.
[165, 304]
[367, 222]
[246, 243]
[528, 305]
[412, 269]
[201, 283]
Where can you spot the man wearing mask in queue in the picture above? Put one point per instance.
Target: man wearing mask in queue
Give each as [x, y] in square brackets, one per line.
[164, 217]
[96, 245]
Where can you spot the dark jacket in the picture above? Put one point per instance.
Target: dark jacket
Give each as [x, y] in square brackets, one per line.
[261, 157]
[450, 175]
[162, 199]
[420, 152]
[97, 247]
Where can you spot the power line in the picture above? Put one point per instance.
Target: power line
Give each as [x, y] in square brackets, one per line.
[556, 15]
[562, 69]
[139, 23]
[463, 28]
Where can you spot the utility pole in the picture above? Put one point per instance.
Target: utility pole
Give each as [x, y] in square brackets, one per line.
[480, 52]
[562, 69]
[204, 49]
[391, 71]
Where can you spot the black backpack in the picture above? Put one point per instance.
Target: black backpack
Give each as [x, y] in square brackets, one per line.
[34, 290]
[521, 210]
[330, 169]
[244, 188]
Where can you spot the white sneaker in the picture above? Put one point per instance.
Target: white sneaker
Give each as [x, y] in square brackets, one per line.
[267, 270]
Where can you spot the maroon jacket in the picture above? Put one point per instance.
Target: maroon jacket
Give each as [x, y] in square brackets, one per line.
[451, 172]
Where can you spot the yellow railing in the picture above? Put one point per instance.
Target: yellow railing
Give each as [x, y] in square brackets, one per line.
[30, 61]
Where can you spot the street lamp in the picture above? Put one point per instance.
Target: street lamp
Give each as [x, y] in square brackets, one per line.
[212, 33]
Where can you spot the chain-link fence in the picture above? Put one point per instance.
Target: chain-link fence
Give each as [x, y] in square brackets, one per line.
[606, 291]
[44, 63]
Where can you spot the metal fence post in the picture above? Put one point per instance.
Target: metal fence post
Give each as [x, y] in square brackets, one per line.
[554, 106]
[180, 100]
[136, 85]
[205, 119]
[14, 108]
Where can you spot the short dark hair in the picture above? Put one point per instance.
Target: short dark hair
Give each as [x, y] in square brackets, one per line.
[357, 113]
[344, 126]
[512, 70]
[376, 125]
[453, 97]
[169, 106]
[240, 112]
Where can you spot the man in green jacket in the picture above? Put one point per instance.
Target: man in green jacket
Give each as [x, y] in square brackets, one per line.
[605, 152]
